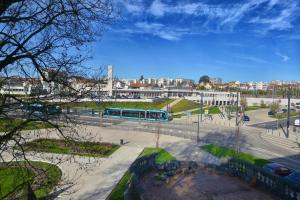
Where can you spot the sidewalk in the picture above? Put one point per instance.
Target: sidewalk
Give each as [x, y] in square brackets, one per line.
[97, 184]
[172, 104]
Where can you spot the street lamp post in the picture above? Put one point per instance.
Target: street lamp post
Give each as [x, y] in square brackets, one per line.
[200, 114]
[201, 105]
[289, 114]
[237, 123]
[99, 107]
[198, 129]
[237, 108]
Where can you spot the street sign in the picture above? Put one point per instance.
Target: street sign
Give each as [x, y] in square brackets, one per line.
[206, 111]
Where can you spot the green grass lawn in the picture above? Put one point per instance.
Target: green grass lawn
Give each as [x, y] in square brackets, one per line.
[7, 124]
[211, 110]
[248, 108]
[118, 192]
[220, 152]
[285, 115]
[71, 147]
[178, 115]
[156, 105]
[183, 105]
[16, 177]
[163, 155]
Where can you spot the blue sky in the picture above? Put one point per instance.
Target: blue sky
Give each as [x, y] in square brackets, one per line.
[243, 40]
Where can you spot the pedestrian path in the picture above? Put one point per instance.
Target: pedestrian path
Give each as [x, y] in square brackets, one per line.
[172, 104]
[97, 184]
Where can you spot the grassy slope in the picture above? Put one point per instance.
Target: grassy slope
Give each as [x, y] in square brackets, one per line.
[163, 155]
[285, 115]
[118, 191]
[142, 105]
[71, 147]
[211, 110]
[7, 124]
[18, 176]
[220, 152]
[183, 105]
[253, 108]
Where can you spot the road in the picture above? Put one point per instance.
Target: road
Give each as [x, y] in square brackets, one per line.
[275, 123]
[250, 139]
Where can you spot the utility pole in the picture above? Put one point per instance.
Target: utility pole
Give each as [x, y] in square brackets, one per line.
[273, 93]
[237, 109]
[157, 135]
[289, 114]
[201, 105]
[200, 114]
[237, 123]
[198, 129]
[100, 105]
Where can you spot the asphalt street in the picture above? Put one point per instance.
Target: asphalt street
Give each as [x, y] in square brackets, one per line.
[249, 138]
[275, 123]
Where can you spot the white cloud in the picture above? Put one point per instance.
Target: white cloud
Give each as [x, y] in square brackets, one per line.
[269, 15]
[160, 30]
[282, 21]
[233, 13]
[133, 8]
[249, 58]
[283, 57]
[157, 8]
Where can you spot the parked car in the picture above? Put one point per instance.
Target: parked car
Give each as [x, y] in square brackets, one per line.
[272, 113]
[277, 169]
[284, 110]
[294, 177]
[246, 118]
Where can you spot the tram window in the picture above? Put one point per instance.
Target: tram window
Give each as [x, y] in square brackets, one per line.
[147, 114]
[129, 113]
[114, 112]
[154, 115]
[142, 114]
[164, 115]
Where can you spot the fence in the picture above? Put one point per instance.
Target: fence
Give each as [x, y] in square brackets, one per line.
[137, 169]
[256, 175]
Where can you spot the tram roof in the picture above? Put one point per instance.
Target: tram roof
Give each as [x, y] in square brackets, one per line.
[136, 109]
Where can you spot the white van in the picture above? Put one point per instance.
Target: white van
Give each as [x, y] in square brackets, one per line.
[297, 122]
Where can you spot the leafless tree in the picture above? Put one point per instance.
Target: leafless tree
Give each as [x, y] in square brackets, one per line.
[46, 41]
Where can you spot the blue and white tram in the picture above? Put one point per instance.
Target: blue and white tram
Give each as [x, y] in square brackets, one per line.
[139, 114]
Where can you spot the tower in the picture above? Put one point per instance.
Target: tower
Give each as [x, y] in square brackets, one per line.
[110, 80]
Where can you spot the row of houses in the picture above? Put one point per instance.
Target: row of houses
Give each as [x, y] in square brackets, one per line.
[154, 82]
[252, 86]
[53, 83]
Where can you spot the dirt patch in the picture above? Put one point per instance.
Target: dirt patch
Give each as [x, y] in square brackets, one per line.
[202, 185]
